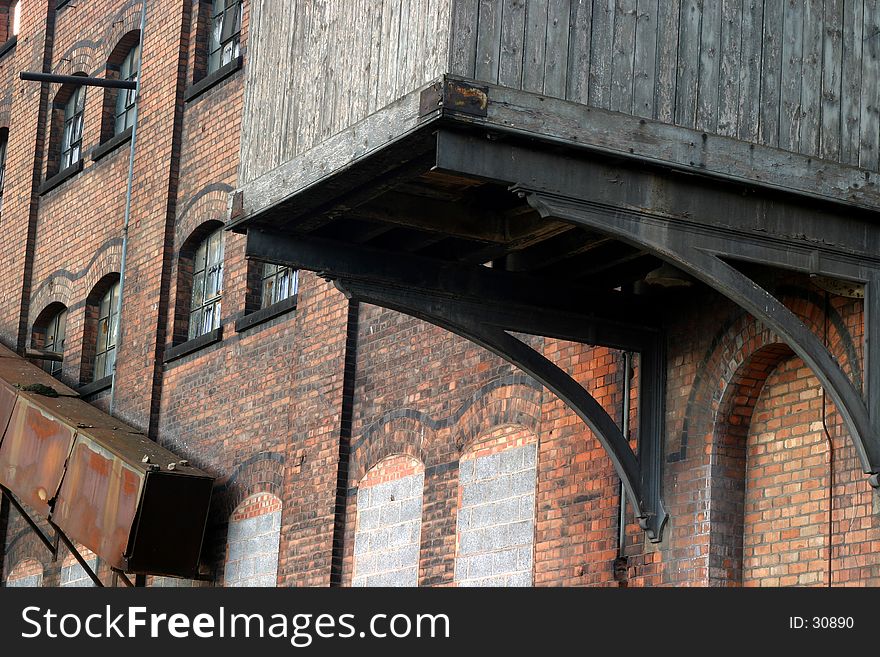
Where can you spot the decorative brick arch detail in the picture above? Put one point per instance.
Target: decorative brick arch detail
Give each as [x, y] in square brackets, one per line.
[511, 406]
[727, 470]
[106, 263]
[738, 339]
[80, 58]
[404, 436]
[27, 568]
[209, 204]
[58, 290]
[126, 20]
[261, 473]
[24, 546]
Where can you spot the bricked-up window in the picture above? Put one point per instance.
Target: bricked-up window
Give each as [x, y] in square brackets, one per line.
[224, 45]
[71, 136]
[252, 542]
[105, 350]
[27, 573]
[126, 99]
[4, 138]
[277, 283]
[207, 285]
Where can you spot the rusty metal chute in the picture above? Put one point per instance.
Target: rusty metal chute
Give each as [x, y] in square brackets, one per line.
[100, 482]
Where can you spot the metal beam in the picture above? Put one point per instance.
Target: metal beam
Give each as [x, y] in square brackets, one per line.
[81, 80]
[482, 305]
[50, 545]
[701, 256]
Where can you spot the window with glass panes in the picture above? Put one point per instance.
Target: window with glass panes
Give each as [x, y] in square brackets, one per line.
[207, 287]
[277, 283]
[55, 341]
[105, 350]
[126, 99]
[3, 140]
[71, 139]
[225, 33]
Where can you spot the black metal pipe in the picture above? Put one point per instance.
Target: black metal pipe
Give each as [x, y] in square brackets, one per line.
[78, 79]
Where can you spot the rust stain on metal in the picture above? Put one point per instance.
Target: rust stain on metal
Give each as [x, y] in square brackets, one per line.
[466, 98]
[33, 453]
[98, 500]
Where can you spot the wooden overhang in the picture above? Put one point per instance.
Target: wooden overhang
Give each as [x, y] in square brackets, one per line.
[95, 480]
[571, 207]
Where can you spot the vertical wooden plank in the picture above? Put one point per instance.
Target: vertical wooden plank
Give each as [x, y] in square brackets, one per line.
[668, 18]
[513, 30]
[731, 49]
[602, 44]
[708, 88]
[377, 8]
[791, 74]
[623, 55]
[580, 33]
[771, 65]
[441, 39]
[405, 37]
[832, 61]
[488, 41]
[688, 63]
[388, 55]
[869, 122]
[535, 46]
[419, 47]
[749, 109]
[811, 84]
[463, 38]
[645, 62]
[556, 57]
[851, 82]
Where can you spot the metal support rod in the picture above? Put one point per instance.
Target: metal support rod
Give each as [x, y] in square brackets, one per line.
[127, 215]
[27, 518]
[76, 555]
[81, 80]
[624, 429]
[121, 575]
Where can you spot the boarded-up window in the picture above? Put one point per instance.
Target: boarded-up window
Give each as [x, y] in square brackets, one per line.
[252, 543]
[496, 514]
[389, 524]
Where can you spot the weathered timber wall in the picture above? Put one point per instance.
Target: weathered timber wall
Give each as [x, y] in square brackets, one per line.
[318, 66]
[801, 75]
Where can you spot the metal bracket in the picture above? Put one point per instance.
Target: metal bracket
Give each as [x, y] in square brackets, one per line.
[702, 255]
[485, 306]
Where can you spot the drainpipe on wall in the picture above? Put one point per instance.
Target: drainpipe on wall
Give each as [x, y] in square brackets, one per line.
[620, 562]
[127, 216]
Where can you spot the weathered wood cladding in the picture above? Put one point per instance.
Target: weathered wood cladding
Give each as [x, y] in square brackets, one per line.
[801, 75]
[315, 67]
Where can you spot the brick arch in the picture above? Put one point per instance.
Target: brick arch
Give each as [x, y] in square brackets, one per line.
[58, 289]
[107, 262]
[400, 436]
[514, 405]
[126, 20]
[738, 338]
[209, 204]
[728, 460]
[79, 58]
[261, 473]
[28, 569]
[25, 545]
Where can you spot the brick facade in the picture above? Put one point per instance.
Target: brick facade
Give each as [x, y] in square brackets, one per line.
[304, 418]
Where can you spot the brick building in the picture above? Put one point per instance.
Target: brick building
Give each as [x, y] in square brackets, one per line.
[362, 425]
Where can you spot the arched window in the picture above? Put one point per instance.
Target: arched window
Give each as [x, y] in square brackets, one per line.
[207, 285]
[48, 336]
[108, 318]
[71, 136]
[126, 99]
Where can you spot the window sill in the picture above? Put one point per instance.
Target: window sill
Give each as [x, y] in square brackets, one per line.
[110, 145]
[265, 314]
[51, 183]
[200, 87]
[9, 46]
[95, 386]
[191, 346]
[62, 3]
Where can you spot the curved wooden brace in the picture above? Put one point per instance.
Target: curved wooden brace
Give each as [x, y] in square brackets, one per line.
[643, 486]
[703, 261]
